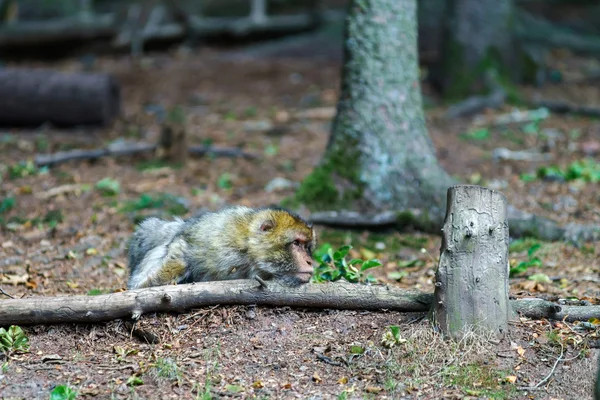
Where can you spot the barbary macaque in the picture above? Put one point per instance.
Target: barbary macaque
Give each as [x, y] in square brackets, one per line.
[233, 243]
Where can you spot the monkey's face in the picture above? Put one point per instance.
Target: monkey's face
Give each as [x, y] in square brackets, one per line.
[287, 243]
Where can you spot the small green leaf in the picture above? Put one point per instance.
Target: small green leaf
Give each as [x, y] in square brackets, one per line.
[396, 275]
[6, 204]
[370, 264]
[63, 392]
[410, 263]
[108, 187]
[341, 252]
[528, 177]
[234, 388]
[225, 181]
[533, 249]
[357, 349]
[541, 278]
[134, 380]
[395, 329]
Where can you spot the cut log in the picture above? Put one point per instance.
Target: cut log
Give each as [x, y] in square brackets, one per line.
[33, 97]
[471, 289]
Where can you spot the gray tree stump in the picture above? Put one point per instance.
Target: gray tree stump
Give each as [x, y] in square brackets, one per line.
[33, 97]
[471, 290]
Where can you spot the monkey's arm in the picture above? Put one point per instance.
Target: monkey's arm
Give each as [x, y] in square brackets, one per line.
[170, 273]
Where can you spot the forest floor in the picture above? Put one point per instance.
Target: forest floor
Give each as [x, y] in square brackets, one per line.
[62, 234]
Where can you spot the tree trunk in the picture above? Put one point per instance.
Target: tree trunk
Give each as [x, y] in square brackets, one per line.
[471, 289]
[597, 387]
[379, 155]
[478, 38]
[33, 97]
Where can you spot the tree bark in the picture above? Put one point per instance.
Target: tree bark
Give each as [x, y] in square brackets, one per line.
[478, 38]
[379, 154]
[471, 289]
[34, 97]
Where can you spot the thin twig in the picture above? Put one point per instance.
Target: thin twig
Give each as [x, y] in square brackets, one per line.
[558, 359]
[261, 281]
[328, 360]
[6, 294]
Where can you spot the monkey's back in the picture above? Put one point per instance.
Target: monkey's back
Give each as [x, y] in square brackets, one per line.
[217, 247]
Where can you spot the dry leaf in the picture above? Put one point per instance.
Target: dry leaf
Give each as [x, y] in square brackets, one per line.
[258, 385]
[373, 389]
[343, 380]
[520, 351]
[31, 284]
[317, 378]
[511, 378]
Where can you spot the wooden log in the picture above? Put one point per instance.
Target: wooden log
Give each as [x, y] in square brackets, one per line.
[133, 303]
[471, 289]
[32, 97]
[339, 295]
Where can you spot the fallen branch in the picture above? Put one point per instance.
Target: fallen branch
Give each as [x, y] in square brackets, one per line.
[130, 148]
[521, 224]
[134, 303]
[561, 107]
[540, 309]
[515, 117]
[530, 28]
[44, 32]
[339, 295]
[476, 104]
[502, 153]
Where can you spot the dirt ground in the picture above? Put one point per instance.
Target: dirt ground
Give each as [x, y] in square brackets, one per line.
[72, 241]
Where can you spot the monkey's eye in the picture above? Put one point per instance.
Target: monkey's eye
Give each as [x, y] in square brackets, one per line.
[296, 243]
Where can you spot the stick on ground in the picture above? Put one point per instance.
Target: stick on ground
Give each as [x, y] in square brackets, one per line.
[131, 148]
[339, 295]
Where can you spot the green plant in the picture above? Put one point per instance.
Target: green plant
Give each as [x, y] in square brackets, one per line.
[477, 134]
[53, 218]
[6, 204]
[333, 266]
[167, 368]
[96, 292]
[23, 169]
[586, 170]
[479, 380]
[532, 261]
[392, 337]
[174, 205]
[108, 187]
[13, 340]
[63, 392]
[225, 181]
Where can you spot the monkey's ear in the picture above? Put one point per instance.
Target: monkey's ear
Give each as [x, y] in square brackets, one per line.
[267, 226]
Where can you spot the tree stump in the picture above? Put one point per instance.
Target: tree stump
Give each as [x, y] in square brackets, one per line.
[33, 97]
[471, 289]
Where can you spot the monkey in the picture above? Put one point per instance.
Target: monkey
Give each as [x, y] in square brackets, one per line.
[234, 243]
